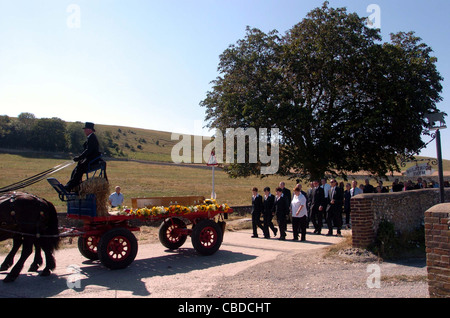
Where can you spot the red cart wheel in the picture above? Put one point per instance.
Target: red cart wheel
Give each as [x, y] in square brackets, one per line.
[117, 248]
[171, 233]
[88, 247]
[207, 237]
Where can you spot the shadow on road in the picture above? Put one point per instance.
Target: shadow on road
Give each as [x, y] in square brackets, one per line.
[93, 274]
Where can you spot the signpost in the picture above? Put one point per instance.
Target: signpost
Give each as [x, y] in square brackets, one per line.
[212, 162]
[437, 122]
[420, 170]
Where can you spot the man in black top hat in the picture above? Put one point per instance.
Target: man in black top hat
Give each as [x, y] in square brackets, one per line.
[91, 152]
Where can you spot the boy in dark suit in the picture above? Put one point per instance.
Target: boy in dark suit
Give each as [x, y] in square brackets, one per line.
[257, 209]
[281, 209]
[269, 200]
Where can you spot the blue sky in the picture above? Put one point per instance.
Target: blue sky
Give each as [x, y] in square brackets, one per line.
[148, 64]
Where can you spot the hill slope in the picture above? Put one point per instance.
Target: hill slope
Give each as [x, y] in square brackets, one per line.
[139, 144]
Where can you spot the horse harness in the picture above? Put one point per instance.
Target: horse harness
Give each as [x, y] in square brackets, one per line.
[11, 199]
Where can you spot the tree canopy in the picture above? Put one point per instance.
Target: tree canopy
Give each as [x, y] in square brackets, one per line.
[45, 134]
[342, 100]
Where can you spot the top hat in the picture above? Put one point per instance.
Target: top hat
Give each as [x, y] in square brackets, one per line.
[89, 126]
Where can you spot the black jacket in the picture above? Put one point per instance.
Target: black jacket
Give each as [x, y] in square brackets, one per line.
[281, 207]
[257, 204]
[338, 197]
[268, 204]
[91, 149]
[317, 199]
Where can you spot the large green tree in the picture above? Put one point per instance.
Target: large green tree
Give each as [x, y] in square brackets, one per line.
[342, 100]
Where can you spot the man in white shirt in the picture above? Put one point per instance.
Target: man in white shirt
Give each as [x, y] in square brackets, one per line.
[326, 187]
[116, 198]
[355, 190]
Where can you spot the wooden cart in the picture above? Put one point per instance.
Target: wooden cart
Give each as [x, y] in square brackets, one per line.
[110, 239]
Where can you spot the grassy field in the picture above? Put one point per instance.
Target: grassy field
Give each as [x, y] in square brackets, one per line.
[144, 180]
[140, 180]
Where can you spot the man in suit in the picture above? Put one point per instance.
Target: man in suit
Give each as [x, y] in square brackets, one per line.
[286, 192]
[368, 188]
[257, 209]
[347, 198]
[90, 152]
[317, 206]
[281, 209]
[334, 208]
[287, 195]
[308, 203]
[269, 200]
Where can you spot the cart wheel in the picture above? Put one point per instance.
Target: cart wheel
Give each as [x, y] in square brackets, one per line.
[88, 247]
[207, 237]
[169, 236]
[117, 248]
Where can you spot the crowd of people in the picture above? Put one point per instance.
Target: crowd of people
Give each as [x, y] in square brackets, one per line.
[322, 203]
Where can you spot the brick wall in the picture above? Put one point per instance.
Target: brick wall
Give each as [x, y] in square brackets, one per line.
[437, 240]
[362, 219]
[405, 210]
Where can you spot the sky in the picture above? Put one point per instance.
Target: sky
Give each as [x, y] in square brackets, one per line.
[148, 64]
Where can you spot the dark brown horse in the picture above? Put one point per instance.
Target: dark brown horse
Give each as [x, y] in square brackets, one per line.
[17, 243]
[29, 221]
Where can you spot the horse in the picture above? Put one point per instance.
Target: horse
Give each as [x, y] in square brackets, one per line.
[28, 220]
[17, 243]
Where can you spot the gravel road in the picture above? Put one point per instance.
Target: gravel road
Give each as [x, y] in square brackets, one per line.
[243, 267]
[346, 273]
[312, 274]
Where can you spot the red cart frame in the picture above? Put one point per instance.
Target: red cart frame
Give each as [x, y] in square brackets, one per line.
[110, 238]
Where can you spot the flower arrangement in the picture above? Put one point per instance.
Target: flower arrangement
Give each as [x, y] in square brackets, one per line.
[176, 209]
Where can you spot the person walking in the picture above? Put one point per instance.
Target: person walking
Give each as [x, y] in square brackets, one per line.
[347, 198]
[317, 205]
[334, 208]
[257, 209]
[299, 214]
[281, 209]
[308, 203]
[269, 200]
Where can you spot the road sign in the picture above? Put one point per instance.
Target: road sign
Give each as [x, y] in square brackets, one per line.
[212, 162]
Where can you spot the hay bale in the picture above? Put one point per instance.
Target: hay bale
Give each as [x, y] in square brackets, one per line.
[100, 188]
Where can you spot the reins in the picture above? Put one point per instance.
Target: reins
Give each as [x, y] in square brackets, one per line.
[36, 178]
[67, 233]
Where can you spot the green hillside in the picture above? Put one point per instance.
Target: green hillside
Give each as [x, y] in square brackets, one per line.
[149, 172]
[139, 179]
[135, 143]
[26, 133]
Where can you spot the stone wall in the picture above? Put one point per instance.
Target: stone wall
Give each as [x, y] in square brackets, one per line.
[437, 241]
[405, 210]
[242, 210]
